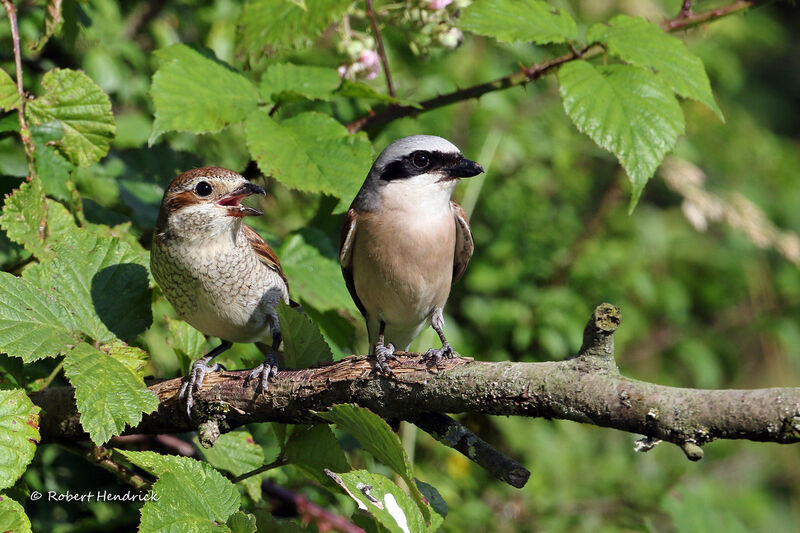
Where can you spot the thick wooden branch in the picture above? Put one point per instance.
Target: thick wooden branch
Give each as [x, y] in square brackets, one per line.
[587, 388]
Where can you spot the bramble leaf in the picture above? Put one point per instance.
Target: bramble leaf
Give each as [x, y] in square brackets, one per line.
[82, 109]
[311, 152]
[644, 44]
[9, 97]
[237, 453]
[108, 392]
[315, 448]
[519, 20]
[12, 516]
[192, 496]
[196, 93]
[626, 110]
[285, 82]
[19, 434]
[303, 345]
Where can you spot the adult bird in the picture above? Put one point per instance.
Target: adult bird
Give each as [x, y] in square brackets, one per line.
[404, 243]
[217, 272]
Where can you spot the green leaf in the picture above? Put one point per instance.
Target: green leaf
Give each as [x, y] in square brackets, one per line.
[625, 110]
[644, 44]
[196, 93]
[384, 500]
[104, 282]
[315, 278]
[240, 522]
[83, 110]
[237, 453]
[109, 394]
[192, 495]
[270, 26]
[315, 448]
[377, 438]
[12, 516]
[519, 20]
[284, 82]
[33, 323]
[436, 502]
[303, 345]
[24, 217]
[19, 434]
[9, 97]
[51, 167]
[311, 152]
[186, 341]
[132, 357]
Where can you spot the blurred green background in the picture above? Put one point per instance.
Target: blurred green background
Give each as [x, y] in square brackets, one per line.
[714, 307]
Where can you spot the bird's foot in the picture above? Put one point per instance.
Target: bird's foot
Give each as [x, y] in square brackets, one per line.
[434, 356]
[382, 356]
[265, 371]
[194, 380]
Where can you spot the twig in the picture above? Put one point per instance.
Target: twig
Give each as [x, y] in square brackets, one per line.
[587, 389]
[280, 461]
[453, 434]
[24, 132]
[309, 511]
[49, 379]
[686, 9]
[102, 457]
[534, 72]
[373, 22]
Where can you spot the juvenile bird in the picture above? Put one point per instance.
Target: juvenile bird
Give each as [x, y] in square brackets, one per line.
[217, 272]
[404, 243]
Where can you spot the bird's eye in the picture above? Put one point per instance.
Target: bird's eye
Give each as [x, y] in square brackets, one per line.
[203, 188]
[421, 159]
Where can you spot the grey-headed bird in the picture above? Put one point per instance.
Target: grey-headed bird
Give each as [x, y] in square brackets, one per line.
[217, 272]
[404, 243]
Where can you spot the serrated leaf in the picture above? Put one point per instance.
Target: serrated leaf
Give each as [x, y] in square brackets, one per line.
[316, 278]
[19, 434]
[644, 44]
[237, 453]
[437, 503]
[25, 216]
[375, 436]
[284, 82]
[519, 20]
[276, 25]
[192, 495]
[303, 345]
[356, 89]
[51, 167]
[34, 323]
[384, 500]
[82, 109]
[315, 448]
[104, 282]
[240, 522]
[9, 97]
[12, 516]
[625, 110]
[186, 341]
[199, 94]
[311, 152]
[108, 393]
[131, 356]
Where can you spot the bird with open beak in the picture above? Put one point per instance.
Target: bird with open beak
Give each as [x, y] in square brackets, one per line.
[404, 243]
[217, 272]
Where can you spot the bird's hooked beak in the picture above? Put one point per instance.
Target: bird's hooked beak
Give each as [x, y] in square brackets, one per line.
[232, 201]
[465, 168]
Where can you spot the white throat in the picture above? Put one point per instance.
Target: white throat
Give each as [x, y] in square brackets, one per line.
[421, 193]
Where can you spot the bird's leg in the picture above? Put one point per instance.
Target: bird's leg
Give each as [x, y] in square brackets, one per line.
[198, 373]
[383, 352]
[434, 356]
[269, 368]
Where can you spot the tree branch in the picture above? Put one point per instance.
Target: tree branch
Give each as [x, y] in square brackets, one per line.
[373, 22]
[587, 388]
[682, 21]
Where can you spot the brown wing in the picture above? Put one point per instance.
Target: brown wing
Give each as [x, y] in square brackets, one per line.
[464, 244]
[346, 241]
[266, 255]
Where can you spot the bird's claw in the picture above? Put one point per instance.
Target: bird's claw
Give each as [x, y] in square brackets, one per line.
[434, 356]
[383, 354]
[265, 371]
[194, 381]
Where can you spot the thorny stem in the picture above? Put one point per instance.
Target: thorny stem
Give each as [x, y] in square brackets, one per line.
[526, 75]
[24, 132]
[686, 9]
[373, 22]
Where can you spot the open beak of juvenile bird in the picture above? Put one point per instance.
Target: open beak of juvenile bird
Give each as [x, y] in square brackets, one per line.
[464, 168]
[232, 202]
